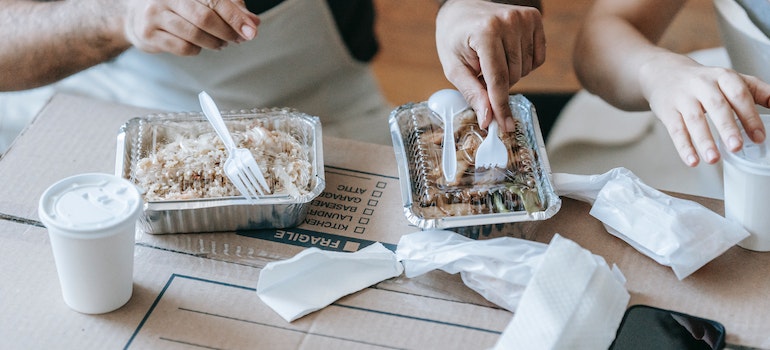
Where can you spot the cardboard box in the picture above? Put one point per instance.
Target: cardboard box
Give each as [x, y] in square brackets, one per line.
[199, 289]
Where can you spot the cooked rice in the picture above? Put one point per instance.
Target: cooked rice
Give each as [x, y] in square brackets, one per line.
[191, 166]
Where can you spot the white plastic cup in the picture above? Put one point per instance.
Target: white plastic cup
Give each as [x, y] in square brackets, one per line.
[747, 190]
[91, 221]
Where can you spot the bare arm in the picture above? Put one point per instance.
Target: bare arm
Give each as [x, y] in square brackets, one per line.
[45, 41]
[616, 58]
[617, 37]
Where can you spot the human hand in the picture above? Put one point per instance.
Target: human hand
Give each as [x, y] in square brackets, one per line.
[682, 93]
[485, 48]
[184, 27]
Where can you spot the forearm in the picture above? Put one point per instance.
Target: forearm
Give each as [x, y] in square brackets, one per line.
[48, 41]
[607, 58]
[615, 44]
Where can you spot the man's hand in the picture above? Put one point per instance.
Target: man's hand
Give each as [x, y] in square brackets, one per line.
[485, 48]
[184, 27]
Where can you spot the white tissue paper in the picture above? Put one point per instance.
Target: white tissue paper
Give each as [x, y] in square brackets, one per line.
[573, 301]
[314, 278]
[674, 232]
[498, 269]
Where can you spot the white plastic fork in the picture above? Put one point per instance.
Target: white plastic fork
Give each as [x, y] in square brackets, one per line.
[492, 153]
[240, 167]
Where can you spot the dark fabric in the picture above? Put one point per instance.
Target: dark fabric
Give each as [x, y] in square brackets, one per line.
[354, 20]
[759, 13]
[259, 6]
[548, 107]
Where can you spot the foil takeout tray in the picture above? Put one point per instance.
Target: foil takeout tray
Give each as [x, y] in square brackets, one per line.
[140, 137]
[522, 192]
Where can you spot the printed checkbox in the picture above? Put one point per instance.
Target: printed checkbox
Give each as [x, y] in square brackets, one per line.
[373, 203]
[381, 184]
[351, 246]
[359, 230]
[368, 211]
[377, 194]
[363, 221]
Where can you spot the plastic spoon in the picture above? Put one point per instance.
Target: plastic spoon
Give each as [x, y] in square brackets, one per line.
[447, 103]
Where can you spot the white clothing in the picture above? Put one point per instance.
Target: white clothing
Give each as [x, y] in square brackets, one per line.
[298, 60]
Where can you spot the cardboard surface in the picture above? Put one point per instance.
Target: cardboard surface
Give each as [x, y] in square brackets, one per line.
[199, 289]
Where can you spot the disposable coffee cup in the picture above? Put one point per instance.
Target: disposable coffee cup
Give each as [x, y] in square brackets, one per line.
[747, 190]
[91, 221]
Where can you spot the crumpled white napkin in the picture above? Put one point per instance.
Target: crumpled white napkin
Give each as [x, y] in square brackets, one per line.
[564, 296]
[498, 269]
[573, 301]
[314, 278]
[674, 232]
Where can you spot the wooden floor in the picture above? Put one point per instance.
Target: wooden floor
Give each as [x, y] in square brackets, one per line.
[408, 68]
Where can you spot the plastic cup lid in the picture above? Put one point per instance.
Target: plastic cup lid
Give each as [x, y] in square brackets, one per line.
[89, 203]
[752, 158]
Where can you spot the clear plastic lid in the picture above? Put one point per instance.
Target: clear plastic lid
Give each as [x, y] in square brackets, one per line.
[752, 157]
[520, 192]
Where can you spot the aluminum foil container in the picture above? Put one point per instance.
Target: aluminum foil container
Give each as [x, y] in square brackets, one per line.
[142, 138]
[522, 192]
